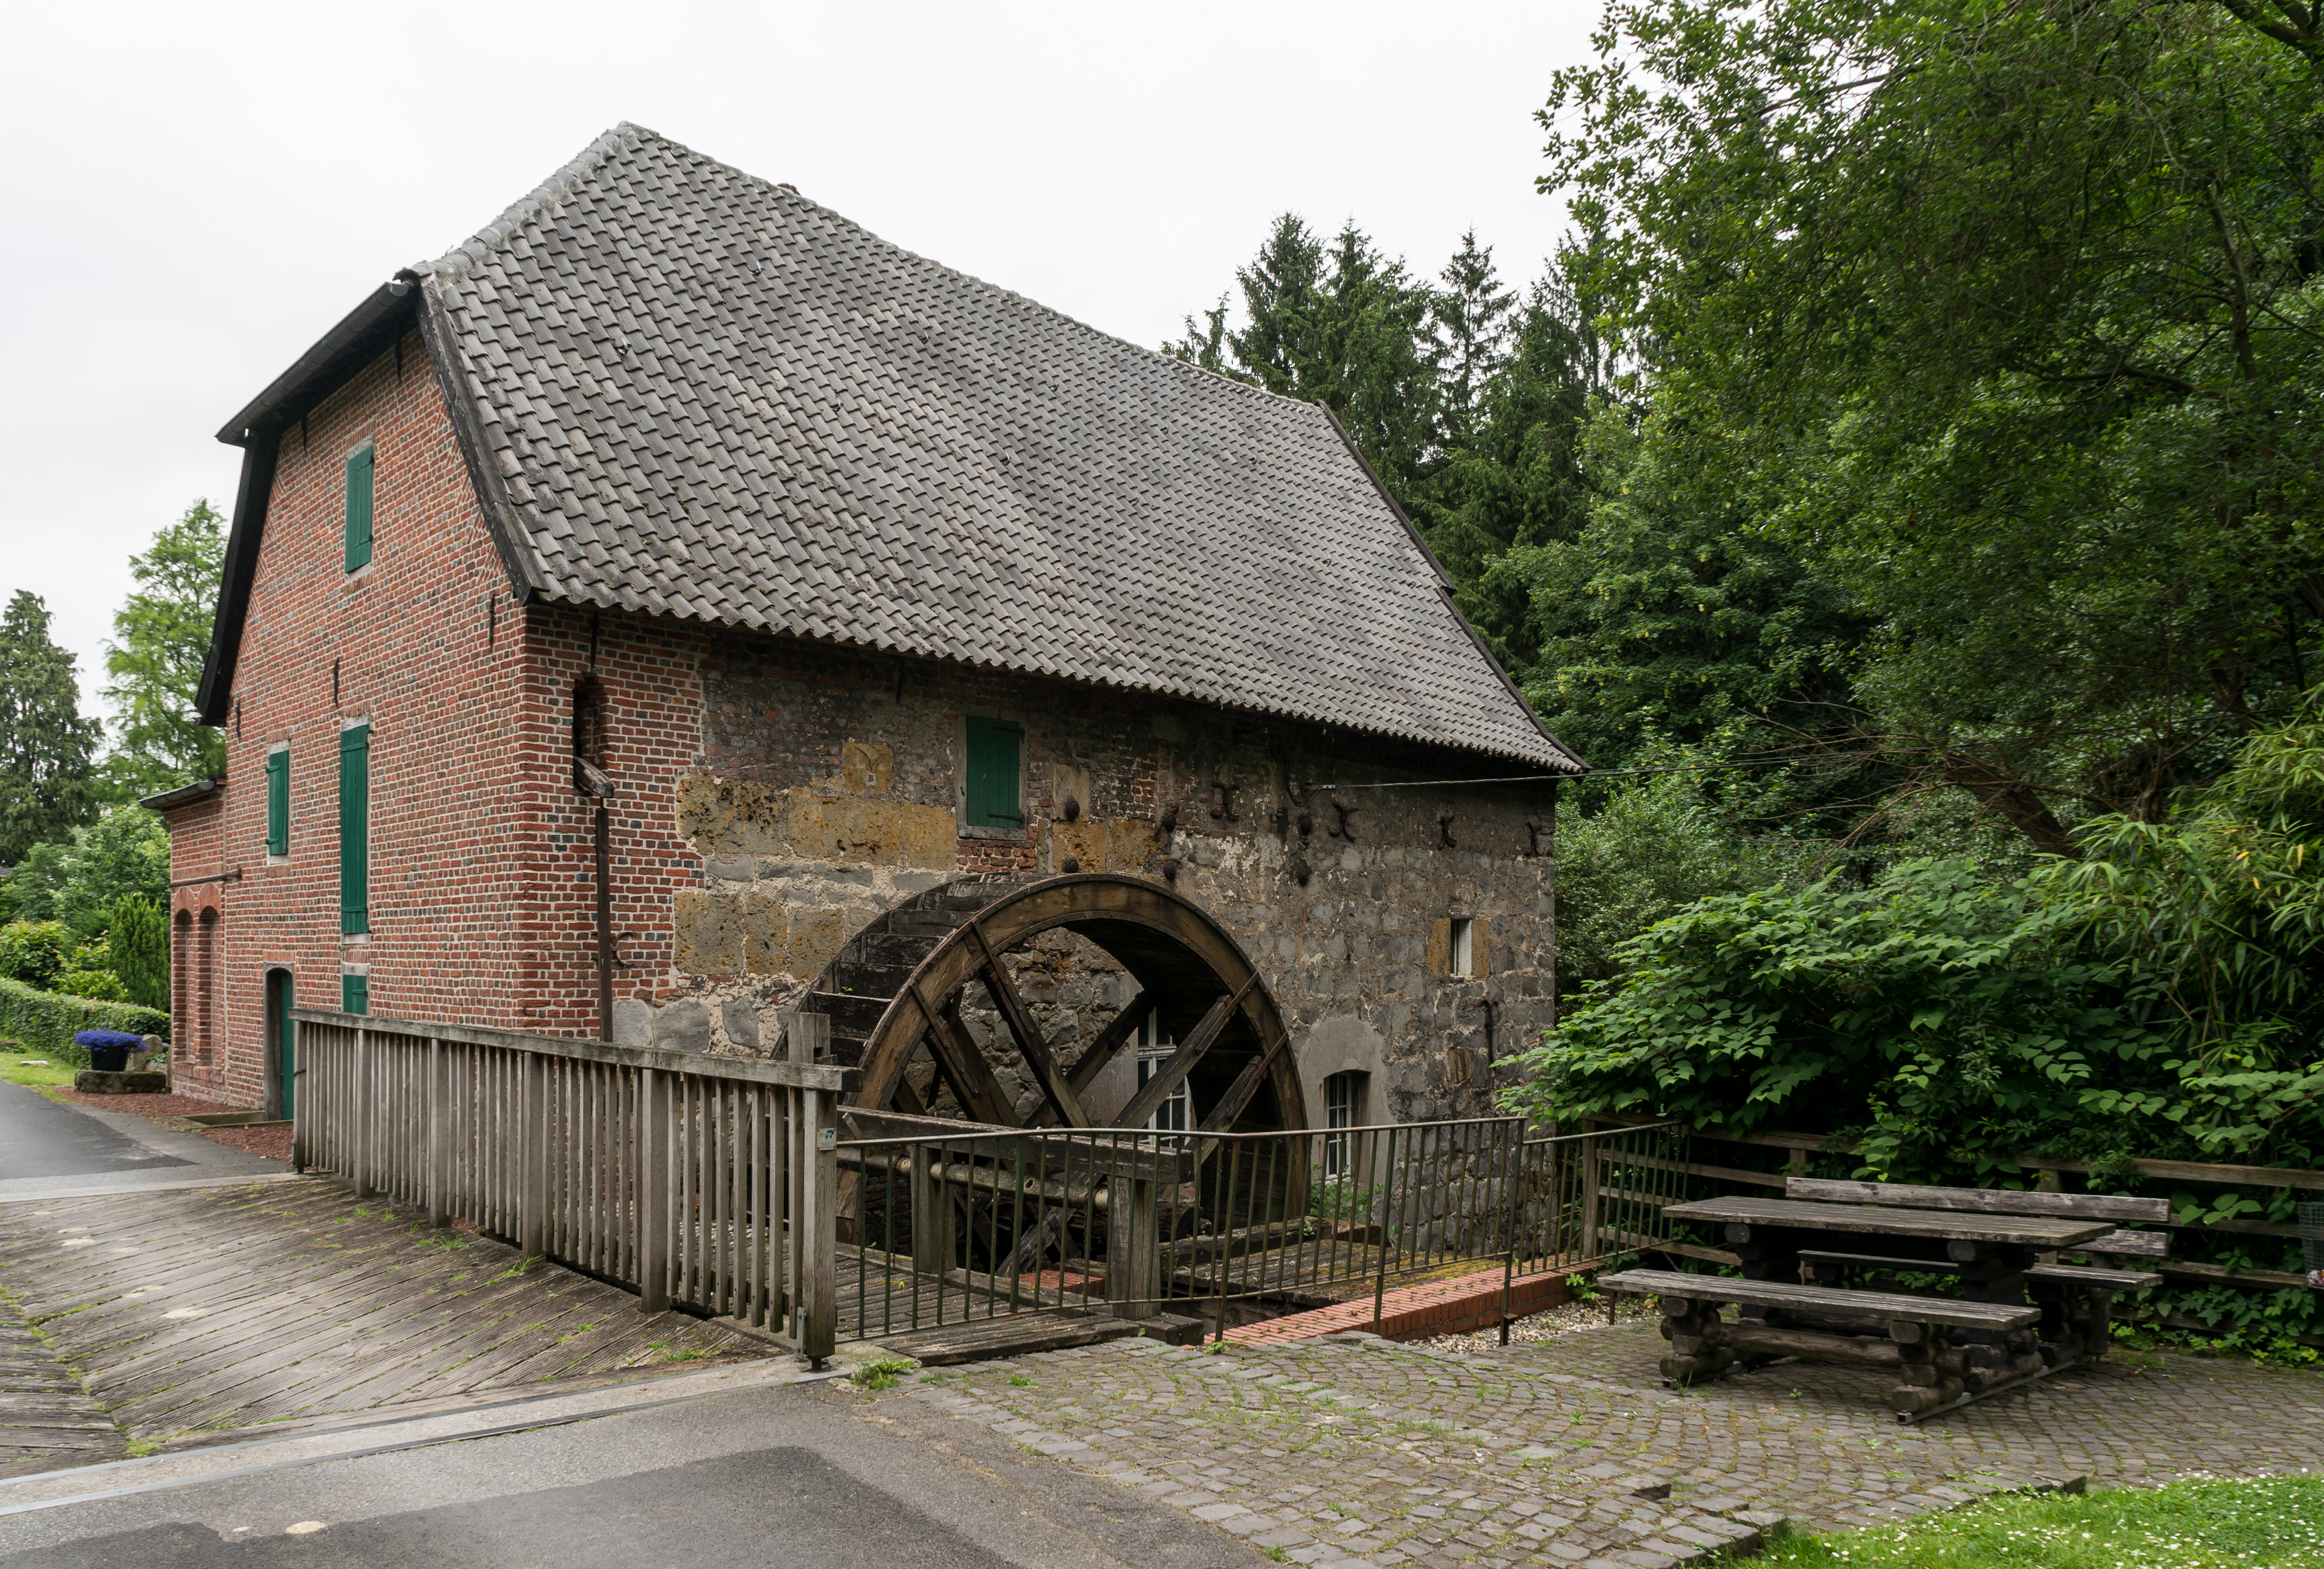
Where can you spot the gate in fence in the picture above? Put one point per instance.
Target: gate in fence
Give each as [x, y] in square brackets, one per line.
[710, 1183]
[947, 1227]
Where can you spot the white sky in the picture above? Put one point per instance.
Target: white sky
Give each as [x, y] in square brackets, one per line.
[194, 193]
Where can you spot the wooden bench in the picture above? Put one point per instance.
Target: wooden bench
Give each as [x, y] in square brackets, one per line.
[1879, 1329]
[2077, 1300]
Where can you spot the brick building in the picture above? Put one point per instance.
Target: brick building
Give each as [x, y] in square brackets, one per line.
[626, 609]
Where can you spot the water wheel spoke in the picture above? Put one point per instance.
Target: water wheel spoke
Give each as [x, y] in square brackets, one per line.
[1031, 1044]
[1119, 1032]
[1181, 1062]
[963, 1066]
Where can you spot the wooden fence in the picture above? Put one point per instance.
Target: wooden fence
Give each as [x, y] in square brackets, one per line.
[709, 1182]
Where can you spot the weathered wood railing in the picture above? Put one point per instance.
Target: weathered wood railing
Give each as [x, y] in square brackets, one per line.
[710, 1182]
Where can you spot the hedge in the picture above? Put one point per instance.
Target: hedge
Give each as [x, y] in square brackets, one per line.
[46, 1021]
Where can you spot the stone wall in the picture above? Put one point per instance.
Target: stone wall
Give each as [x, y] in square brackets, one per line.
[827, 789]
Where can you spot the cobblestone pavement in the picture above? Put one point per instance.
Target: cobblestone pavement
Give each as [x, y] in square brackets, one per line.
[1560, 1452]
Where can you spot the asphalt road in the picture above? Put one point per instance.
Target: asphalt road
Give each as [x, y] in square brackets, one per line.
[814, 1476]
[47, 1145]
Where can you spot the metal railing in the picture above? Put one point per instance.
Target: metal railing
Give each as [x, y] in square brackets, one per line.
[707, 1182]
[948, 1228]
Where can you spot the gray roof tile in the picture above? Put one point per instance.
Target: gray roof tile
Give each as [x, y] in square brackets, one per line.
[714, 399]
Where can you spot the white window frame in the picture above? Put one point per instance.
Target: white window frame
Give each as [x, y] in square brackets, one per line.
[1463, 948]
[1342, 1098]
[1176, 1114]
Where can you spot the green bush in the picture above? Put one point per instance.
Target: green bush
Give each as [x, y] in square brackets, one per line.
[99, 986]
[45, 1022]
[35, 952]
[139, 946]
[1929, 1013]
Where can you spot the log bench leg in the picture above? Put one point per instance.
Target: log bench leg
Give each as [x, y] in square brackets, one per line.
[1686, 1325]
[2074, 1321]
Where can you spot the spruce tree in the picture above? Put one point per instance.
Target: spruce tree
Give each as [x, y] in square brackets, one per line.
[1470, 317]
[48, 752]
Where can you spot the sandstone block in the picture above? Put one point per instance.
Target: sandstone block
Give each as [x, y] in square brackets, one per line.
[89, 1082]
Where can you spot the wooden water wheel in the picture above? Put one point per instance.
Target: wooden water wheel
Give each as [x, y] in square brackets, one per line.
[896, 990]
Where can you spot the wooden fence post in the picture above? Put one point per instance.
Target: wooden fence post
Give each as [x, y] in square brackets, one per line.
[360, 1106]
[302, 1117]
[806, 1037]
[532, 1134]
[654, 1191]
[1133, 1263]
[1592, 1175]
[440, 1134]
[816, 1231]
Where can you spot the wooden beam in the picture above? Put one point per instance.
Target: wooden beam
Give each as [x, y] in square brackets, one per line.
[963, 1067]
[1119, 1032]
[2097, 1206]
[1247, 1083]
[1174, 1068]
[1030, 1044]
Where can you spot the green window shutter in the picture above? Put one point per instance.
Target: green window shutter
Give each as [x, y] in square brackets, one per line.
[359, 510]
[355, 993]
[992, 775]
[278, 803]
[354, 830]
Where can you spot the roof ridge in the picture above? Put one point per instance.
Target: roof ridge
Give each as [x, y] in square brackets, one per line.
[547, 194]
[628, 135]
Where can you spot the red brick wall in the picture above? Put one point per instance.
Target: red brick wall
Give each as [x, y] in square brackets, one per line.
[454, 725]
[648, 671]
[195, 852]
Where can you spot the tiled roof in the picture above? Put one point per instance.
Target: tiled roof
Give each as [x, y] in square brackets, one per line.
[709, 397]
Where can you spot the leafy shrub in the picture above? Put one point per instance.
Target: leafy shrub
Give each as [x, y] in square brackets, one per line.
[1928, 1013]
[34, 951]
[101, 985]
[138, 946]
[46, 1021]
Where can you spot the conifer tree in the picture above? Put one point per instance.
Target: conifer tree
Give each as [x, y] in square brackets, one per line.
[137, 943]
[163, 635]
[1471, 325]
[48, 752]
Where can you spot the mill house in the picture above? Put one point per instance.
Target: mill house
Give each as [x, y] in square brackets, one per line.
[677, 611]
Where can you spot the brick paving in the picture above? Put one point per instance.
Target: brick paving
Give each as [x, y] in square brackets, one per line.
[1353, 1451]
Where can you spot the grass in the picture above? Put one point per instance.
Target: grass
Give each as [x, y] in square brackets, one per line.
[2203, 1523]
[883, 1372]
[15, 1067]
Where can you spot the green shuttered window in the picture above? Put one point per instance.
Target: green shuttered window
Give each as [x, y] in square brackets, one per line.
[355, 993]
[993, 747]
[359, 510]
[354, 830]
[278, 803]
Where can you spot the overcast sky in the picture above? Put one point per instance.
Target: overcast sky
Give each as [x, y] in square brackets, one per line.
[195, 193]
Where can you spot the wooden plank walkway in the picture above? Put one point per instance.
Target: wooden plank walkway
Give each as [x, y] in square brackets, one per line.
[47, 1419]
[194, 1312]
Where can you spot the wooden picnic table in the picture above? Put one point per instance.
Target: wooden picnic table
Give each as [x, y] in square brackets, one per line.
[1948, 1354]
[2034, 1232]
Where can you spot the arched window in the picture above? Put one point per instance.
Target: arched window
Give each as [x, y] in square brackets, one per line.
[181, 986]
[205, 987]
[589, 776]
